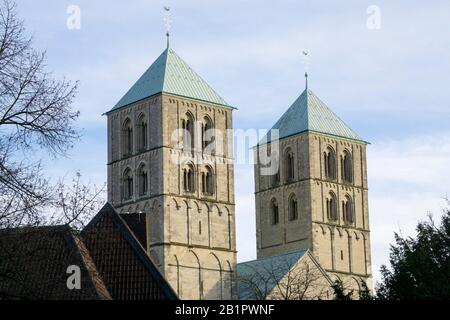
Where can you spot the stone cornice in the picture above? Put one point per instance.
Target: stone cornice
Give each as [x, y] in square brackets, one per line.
[344, 186]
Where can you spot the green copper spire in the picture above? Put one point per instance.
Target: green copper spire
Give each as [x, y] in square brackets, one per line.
[309, 113]
[171, 75]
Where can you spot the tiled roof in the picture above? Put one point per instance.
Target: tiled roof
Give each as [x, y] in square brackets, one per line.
[34, 262]
[170, 74]
[137, 224]
[128, 272]
[309, 113]
[112, 261]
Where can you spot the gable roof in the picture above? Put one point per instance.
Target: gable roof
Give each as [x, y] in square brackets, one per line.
[170, 74]
[34, 263]
[128, 271]
[265, 273]
[309, 113]
[113, 264]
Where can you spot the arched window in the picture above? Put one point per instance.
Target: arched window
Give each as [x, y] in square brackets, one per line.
[347, 167]
[208, 181]
[143, 180]
[347, 209]
[143, 133]
[274, 166]
[188, 179]
[127, 137]
[289, 165]
[332, 210]
[274, 214]
[275, 179]
[330, 163]
[127, 184]
[293, 208]
[207, 133]
[187, 125]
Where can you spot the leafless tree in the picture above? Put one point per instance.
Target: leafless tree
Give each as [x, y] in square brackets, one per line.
[76, 203]
[36, 114]
[283, 278]
[35, 109]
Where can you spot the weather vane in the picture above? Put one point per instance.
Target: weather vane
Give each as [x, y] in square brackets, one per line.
[167, 22]
[306, 62]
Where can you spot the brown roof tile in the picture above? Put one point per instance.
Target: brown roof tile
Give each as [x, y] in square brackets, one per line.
[127, 270]
[34, 262]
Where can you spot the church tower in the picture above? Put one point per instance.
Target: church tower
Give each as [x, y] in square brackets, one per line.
[170, 159]
[317, 198]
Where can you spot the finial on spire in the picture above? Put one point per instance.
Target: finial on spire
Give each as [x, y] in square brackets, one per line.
[306, 79]
[167, 23]
[306, 64]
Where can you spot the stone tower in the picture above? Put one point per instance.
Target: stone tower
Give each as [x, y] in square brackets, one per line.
[170, 157]
[317, 197]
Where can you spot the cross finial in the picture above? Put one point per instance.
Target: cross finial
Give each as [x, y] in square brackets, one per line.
[306, 64]
[167, 23]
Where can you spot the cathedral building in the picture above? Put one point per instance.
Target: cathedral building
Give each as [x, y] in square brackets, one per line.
[171, 177]
[317, 198]
[167, 165]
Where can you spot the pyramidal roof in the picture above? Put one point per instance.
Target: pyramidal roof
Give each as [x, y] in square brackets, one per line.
[170, 74]
[309, 113]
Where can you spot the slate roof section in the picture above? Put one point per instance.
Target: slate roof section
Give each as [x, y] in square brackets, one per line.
[127, 270]
[309, 113]
[171, 75]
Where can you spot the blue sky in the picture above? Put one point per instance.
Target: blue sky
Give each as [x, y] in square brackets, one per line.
[390, 85]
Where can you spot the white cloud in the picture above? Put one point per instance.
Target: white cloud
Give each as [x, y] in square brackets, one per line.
[406, 182]
[418, 160]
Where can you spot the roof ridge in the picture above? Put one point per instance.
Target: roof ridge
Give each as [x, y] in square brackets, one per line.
[93, 273]
[307, 106]
[167, 51]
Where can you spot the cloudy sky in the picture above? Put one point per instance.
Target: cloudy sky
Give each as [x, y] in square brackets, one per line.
[391, 85]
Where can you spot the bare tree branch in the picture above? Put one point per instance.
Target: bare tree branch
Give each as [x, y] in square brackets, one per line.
[35, 109]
